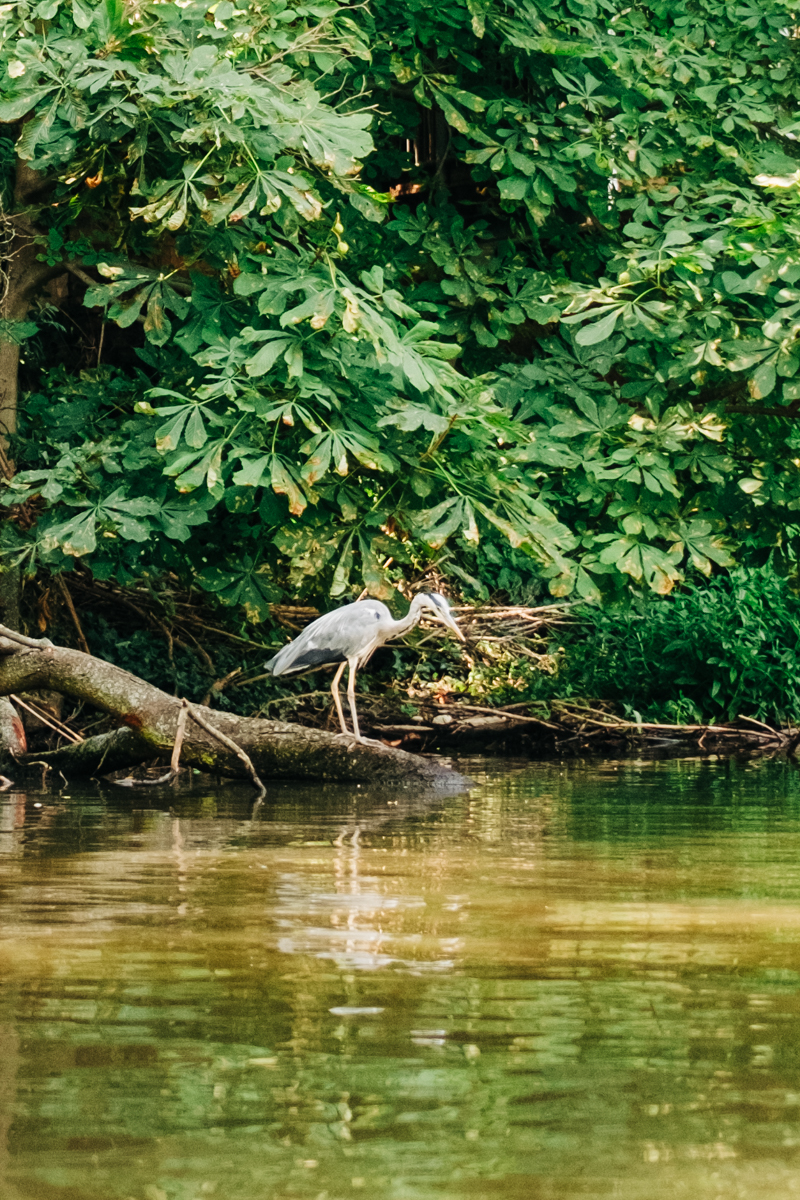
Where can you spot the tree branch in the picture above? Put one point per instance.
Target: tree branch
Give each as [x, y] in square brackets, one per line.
[276, 749]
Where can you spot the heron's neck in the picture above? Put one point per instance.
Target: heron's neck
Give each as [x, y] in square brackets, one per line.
[408, 621]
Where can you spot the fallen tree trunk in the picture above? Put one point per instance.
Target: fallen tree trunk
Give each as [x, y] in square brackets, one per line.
[277, 749]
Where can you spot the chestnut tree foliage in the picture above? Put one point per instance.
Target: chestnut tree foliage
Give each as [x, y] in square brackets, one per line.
[513, 285]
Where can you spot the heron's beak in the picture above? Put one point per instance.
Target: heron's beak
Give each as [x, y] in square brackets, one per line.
[449, 620]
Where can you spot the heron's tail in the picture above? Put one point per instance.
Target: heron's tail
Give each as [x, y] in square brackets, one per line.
[283, 660]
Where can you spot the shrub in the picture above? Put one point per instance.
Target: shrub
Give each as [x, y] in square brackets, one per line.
[706, 653]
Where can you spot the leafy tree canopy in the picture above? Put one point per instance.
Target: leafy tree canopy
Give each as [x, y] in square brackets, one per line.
[512, 284]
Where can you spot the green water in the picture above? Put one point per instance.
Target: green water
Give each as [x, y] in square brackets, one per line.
[576, 980]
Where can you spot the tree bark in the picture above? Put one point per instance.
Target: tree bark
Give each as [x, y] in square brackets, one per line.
[278, 749]
[21, 278]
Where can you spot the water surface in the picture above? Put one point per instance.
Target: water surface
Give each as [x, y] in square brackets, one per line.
[577, 980]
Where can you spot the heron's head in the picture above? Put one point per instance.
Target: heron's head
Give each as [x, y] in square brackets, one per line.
[436, 604]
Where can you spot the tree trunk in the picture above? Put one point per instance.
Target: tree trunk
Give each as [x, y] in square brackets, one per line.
[278, 750]
[21, 278]
[9, 374]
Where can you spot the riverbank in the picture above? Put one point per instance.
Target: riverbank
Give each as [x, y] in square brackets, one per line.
[709, 670]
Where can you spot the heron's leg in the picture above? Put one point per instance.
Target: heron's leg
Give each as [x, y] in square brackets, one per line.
[337, 700]
[351, 697]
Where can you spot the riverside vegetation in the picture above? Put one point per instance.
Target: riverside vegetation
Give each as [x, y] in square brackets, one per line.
[300, 299]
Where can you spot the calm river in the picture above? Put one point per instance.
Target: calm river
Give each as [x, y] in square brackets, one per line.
[576, 980]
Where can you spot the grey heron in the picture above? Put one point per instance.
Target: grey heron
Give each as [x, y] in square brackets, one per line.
[349, 636]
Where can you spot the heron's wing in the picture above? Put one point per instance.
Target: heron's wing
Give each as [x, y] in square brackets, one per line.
[335, 637]
[304, 660]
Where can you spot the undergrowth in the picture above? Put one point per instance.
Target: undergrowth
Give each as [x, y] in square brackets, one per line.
[727, 648]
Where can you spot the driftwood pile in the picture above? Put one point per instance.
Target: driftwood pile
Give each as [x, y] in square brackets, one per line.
[541, 728]
[573, 727]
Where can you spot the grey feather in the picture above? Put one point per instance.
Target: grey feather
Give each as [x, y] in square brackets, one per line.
[350, 635]
[349, 632]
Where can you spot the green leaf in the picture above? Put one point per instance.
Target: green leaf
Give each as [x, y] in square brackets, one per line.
[284, 483]
[168, 435]
[513, 188]
[412, 416]
[247, 584]
[253, 472]
[157, 325]
[15, 107]
[75, 537]
[451, 113]
[195, 433]
[762, 381]
[600, 330]
[375, 579]
[275, 345]
[82, 14]
[709, 93]
[676, 237]
[344, 567]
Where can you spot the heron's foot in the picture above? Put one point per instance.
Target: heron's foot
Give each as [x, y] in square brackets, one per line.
[363, 741]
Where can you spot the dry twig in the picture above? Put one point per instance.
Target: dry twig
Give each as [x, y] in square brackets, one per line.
[65, 592]
[174, 765]
[495, 712]
[46, 719]
[231, 745]
[219, 685]
[180, 731]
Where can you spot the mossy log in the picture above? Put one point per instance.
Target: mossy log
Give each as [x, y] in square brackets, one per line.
[149, 720]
